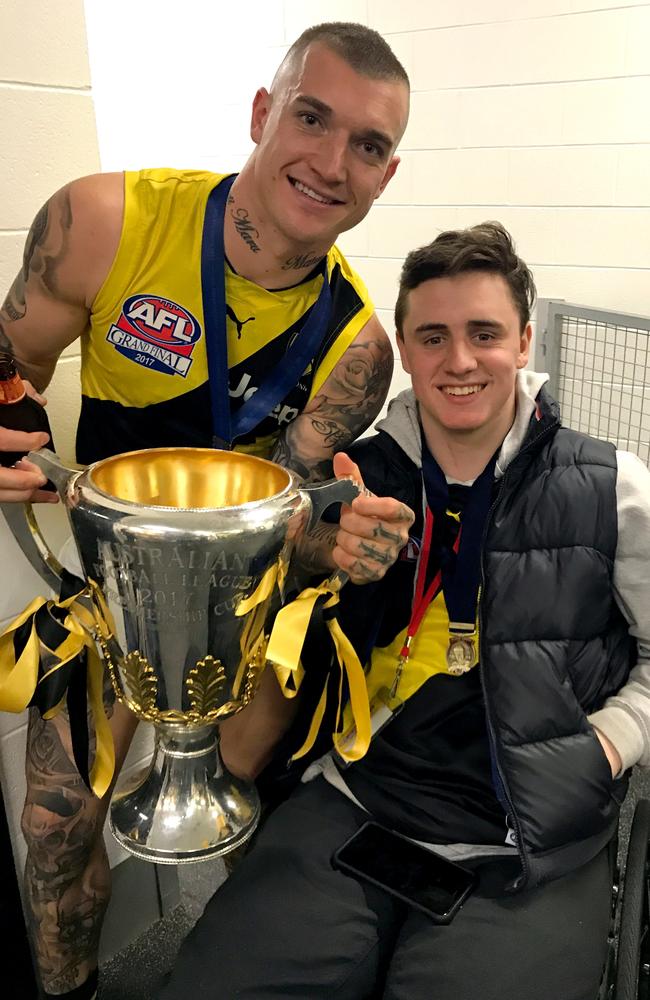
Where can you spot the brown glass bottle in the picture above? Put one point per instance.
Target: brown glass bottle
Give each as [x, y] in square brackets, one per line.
[18, 411]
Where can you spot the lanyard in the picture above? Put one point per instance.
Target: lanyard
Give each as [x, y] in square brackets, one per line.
[423, 597]
[286, 373]
[460, 572]
[461, 576]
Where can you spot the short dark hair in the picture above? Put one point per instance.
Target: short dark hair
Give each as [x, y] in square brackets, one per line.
[486, 247]
[362, 48]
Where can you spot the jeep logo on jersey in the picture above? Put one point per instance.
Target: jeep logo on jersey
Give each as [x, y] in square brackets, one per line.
[156, 333]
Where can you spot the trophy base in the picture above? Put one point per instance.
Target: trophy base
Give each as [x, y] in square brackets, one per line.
[185, 807]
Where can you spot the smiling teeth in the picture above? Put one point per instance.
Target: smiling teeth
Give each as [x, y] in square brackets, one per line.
[461, 390]
[312, 194]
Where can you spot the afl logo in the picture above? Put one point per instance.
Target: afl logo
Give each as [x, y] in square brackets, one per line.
[160, 320]
[156, 333]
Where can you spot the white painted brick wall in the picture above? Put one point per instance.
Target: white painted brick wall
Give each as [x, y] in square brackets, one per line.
[534, 112]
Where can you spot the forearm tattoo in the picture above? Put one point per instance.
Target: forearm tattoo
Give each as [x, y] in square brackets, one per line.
[67, 878]
[345, 407]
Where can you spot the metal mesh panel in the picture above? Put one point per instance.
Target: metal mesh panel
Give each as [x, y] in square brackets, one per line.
[601, 374]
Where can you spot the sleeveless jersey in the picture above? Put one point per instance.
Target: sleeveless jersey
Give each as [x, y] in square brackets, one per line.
[144, 374]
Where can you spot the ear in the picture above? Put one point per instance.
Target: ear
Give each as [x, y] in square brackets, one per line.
[390, 172]
[524, 346]
[259, 114]
[403, 353]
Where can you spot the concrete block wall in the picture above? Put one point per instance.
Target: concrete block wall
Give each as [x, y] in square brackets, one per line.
[533, 112]
[50, 136]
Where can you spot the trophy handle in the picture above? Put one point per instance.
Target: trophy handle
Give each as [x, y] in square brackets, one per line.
[22, 520]
[323, 495]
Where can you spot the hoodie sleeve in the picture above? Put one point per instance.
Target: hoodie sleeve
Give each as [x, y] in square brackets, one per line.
[625, 717]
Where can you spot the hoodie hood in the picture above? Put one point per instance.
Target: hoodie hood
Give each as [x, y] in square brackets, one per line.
[402, 421]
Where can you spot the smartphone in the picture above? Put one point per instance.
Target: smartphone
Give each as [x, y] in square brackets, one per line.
[412, 873]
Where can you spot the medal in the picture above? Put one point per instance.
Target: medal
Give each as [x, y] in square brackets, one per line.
[461, 654]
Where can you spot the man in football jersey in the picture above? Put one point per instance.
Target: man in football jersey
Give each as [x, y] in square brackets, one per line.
[128, 262]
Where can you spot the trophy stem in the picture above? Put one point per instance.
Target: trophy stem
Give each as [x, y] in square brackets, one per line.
[185, 806]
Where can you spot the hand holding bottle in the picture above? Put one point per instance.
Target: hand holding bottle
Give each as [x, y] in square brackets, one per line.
[24, 427]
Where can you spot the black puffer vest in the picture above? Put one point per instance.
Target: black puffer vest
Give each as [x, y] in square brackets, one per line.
[554, 645]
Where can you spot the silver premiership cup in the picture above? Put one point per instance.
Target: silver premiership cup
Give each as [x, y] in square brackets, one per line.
[189, 548]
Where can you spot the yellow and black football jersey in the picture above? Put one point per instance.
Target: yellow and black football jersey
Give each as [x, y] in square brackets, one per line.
[144, 373]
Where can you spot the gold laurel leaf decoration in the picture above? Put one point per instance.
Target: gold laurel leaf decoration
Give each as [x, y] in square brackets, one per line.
[255, 668]
[204, 685]
[113, 672]
[142, 684]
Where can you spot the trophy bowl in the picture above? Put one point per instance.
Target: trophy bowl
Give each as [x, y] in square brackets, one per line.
[189, 548]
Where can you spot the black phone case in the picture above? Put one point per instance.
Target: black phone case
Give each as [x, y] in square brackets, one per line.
[437, 917]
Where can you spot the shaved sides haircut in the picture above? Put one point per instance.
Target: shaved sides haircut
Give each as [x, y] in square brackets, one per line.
[362, 48]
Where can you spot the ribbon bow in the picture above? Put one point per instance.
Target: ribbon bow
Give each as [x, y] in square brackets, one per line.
[48, 658]
[284, 651]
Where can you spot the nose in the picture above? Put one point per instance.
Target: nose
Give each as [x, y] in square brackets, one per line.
[330, 160]
[460, 358]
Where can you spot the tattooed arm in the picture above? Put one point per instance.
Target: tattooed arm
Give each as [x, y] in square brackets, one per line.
[346, 404]
[68, 252]
[373, 530]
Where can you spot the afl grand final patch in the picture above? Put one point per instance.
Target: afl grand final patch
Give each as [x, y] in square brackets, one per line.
[156, 333]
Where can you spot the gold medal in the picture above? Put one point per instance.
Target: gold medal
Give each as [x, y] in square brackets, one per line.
[461, 654]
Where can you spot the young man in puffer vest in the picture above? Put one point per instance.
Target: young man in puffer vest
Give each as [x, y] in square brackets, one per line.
[508, 670]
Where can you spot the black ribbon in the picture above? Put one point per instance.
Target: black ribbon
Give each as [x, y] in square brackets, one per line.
[67, 681]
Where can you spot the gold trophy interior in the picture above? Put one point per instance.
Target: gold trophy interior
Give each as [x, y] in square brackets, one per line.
[188, 478]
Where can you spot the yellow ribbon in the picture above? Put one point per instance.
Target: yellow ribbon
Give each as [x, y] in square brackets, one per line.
[19, 678]
[284, 651]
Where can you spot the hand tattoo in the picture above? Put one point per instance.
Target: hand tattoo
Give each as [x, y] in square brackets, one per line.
[380, 532]
[383, 558]
[359, 569]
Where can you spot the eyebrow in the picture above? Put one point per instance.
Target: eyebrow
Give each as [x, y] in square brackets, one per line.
[373, 134]
[473, 324]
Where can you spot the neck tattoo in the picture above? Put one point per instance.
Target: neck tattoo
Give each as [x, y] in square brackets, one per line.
[245, 228]
[301, 260]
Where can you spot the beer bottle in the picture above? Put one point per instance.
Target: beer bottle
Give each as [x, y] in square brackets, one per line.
[18, 411]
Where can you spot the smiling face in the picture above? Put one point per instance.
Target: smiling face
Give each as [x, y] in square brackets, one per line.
[325, 139]
[462, 345]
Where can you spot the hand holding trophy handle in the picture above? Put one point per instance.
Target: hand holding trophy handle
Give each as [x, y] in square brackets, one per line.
[322, 496]
[23, 524]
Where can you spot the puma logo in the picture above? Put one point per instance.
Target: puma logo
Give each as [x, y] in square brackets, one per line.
[238, 322]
